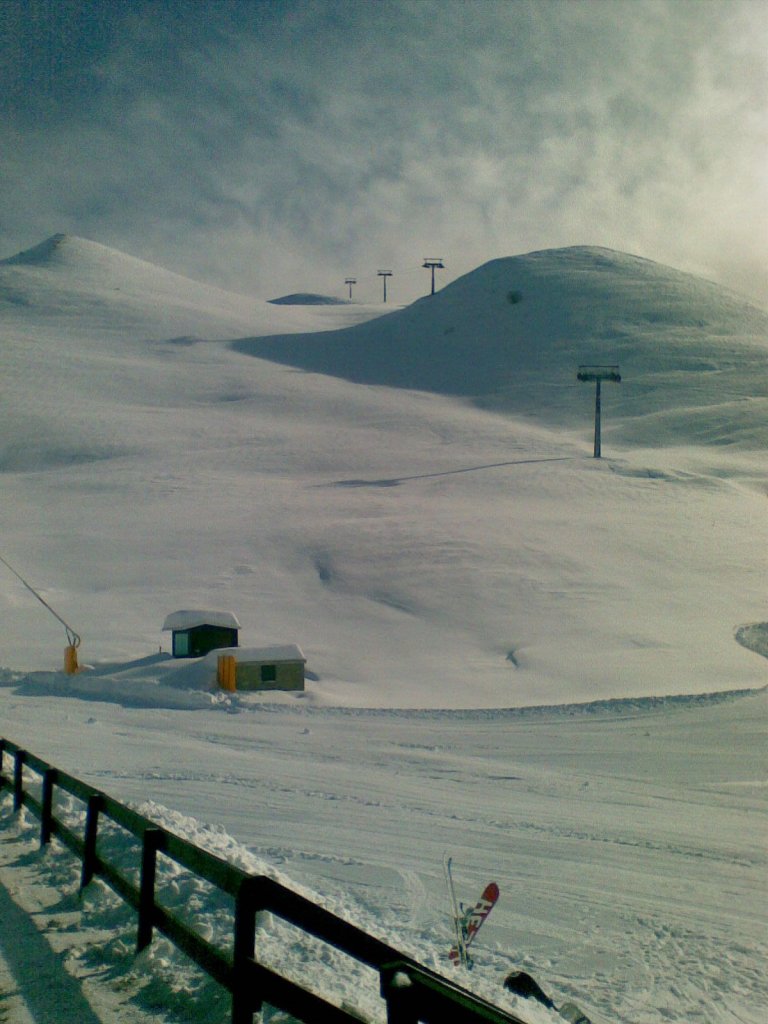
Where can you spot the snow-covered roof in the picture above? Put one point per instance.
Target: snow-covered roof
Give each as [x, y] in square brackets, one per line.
[273, 652]
[198, 617]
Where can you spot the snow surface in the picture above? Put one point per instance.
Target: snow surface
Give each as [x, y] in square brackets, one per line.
[495, 623]
[627, 838]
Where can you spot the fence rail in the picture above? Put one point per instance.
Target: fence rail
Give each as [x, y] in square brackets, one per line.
[412, 993]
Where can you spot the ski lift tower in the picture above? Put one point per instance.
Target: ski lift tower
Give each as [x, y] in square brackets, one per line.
[431, 264]
[598, 374]
[350, 281]
[385, 274]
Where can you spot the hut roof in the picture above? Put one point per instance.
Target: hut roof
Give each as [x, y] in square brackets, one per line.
[274, 652]
[197, 617]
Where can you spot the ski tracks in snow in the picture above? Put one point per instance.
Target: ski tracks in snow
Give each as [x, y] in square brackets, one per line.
[714, 976]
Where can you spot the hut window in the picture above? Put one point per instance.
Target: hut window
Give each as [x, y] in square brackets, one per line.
[268, 673]
[181, 644]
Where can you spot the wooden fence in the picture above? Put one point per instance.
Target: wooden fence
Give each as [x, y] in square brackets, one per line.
[412, 993]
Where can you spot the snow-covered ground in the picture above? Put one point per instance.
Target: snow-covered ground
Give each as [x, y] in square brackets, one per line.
[628, 840]
[491, 617]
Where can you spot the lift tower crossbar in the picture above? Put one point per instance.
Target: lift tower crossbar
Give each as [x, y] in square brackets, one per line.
[598, 374]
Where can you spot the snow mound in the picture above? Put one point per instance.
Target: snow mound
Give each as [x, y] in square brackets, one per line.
[307, 299]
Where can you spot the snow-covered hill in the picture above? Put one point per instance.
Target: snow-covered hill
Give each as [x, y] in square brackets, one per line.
[454, 549]
[511, 334]
[73, 283]
[421, 550]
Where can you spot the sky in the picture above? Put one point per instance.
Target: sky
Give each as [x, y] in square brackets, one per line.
[282, 146]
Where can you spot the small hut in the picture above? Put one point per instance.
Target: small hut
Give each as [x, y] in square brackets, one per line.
[279, 667]
[195, 633]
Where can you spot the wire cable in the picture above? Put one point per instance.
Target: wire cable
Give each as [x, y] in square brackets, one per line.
[73, 638]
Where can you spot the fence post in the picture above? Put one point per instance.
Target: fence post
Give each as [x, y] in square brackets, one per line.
[244, 1002]
[46, 812]
[152, 841]
[397, 990]
[18, 779]
[95, 804]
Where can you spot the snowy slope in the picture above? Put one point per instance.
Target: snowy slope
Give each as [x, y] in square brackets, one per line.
[425, 551]
[68, 281]
[628, 841]
[511, 334]
[421, 551]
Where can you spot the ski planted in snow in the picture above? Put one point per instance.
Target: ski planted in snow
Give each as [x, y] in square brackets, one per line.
[467, 924]
[459, 947]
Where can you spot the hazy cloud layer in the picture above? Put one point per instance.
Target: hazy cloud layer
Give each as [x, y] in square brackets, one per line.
[282, 146]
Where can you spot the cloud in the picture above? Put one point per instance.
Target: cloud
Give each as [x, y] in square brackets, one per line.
[279, 147]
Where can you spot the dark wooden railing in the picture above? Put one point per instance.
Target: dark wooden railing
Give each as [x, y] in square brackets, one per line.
[412, 993]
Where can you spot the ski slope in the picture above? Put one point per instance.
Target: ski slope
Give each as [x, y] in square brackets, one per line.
[517, 653]
[421, 548]
[627, 839]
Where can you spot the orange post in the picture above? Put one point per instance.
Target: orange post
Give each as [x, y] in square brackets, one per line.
[226, 672]
[70, 660]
